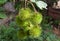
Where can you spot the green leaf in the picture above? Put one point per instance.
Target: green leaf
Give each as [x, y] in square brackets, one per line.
[3, 1]
[2, 15]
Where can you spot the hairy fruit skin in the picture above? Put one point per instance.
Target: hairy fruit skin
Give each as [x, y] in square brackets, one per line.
[24, 14]
[36, 18]
[22, 23]
[35, 32]
[28, 27]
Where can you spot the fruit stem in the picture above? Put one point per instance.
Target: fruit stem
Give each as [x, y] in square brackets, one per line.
[25, 3]
[33, 6]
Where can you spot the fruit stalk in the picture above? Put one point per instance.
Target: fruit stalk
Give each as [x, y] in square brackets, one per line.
[33, 6]
[25, 3]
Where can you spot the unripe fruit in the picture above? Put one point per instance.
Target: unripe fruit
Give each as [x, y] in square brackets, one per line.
[29, 22]
[21, 34]
[28, 27]
[36, 18]
[35, 32]
[24, 14]
[25, 23]
[21, 23]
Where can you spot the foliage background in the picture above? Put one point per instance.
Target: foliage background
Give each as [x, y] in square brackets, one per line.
[8, 33]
